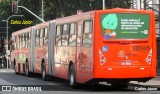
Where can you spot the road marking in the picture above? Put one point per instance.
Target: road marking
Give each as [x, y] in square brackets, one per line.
[58, 85]
[6, 71]
[30, 78]
[51, 83]
[3, 71]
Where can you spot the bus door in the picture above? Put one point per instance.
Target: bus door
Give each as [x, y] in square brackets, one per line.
[84, 50]
[78, 50]
[87, 50]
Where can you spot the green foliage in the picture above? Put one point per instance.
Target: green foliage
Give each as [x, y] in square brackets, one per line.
[2, 48]
[52, 9]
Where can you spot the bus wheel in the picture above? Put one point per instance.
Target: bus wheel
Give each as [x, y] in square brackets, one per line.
[15, 70]
[27, 73]
[15, 67]
[72, 77]
[43, 72]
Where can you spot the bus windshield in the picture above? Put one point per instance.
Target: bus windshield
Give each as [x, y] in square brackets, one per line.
[125, 26]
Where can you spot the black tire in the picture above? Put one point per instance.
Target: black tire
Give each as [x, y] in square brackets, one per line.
[27, 73]
[15, 67]
[43, 72]
[72, 77]
[14, 64]
[15, 71]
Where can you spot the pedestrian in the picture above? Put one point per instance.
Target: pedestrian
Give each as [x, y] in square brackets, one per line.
[2, 62]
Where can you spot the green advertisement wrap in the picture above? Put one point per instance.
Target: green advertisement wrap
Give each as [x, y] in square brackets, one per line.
[125, 26]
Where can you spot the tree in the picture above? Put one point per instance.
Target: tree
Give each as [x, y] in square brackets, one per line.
[52, 9]
[2, 48]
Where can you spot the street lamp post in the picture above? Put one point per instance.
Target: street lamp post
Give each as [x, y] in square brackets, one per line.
[7, 32]
[103, 4]
[42, 10]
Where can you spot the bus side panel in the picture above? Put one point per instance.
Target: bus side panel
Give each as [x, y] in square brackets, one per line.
[37, 53]
[14, 53]
[37, 59]
[154, 53]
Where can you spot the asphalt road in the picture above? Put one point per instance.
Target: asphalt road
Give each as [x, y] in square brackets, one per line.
[20, 84]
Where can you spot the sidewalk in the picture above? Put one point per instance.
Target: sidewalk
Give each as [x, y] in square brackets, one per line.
[6, 70]
[153, 82]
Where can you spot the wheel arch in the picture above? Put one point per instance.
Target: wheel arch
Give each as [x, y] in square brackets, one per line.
[70, 63]
[26, 60]
[42, 61]
[14, 64]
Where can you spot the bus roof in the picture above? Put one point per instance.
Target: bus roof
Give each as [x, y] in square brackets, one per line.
[116, 10]
[22, 31]
[42, 25]
[75, 18]
[25, 30]
[80, 16]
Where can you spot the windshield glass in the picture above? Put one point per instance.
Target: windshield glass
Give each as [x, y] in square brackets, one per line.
[125, 26]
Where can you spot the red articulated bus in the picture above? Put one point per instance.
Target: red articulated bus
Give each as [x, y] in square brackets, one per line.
[113, 45]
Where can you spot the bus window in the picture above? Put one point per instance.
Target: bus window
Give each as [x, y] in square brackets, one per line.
[41, 37]
[65, 35]
[87, 34]
[46, 36]
[72, 28]
[15, 42]
[29, 39]
[59, 30]
[58, 35]
[87, 26]
[125, 26]
[25, 40]
[37, 38]
[65, 29]
[20, 41]
[79, 35]
[72, 35]
[13, 45]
